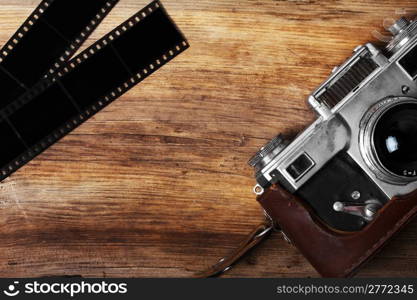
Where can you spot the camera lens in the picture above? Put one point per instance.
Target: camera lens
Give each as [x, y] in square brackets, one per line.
[395, 139]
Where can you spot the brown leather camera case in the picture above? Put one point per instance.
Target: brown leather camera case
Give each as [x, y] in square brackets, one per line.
[335, 253]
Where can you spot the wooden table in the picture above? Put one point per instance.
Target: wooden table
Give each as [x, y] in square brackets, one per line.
[157, 184]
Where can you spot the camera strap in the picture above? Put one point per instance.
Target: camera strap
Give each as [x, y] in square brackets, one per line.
[44, 95]
[259, 234]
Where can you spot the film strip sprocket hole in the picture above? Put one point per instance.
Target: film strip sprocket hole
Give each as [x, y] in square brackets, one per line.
[45, 41]
[87, 83]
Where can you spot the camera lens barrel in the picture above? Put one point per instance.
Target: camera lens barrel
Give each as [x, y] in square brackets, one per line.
[395, 139]
[389, 140]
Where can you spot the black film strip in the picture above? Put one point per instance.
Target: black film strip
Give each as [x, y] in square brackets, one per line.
[45, 41]
[86, 84]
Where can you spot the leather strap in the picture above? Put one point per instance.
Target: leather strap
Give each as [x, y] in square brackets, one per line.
[256, 236]
[333, 253]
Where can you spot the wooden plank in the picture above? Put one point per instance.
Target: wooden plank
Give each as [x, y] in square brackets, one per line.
[157, 184]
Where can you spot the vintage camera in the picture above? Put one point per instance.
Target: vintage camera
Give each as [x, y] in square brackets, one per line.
[361, 152]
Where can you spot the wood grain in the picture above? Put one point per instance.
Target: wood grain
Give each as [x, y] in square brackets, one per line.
[157, 184]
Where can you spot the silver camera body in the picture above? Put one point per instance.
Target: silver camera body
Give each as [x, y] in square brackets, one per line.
[373, 86]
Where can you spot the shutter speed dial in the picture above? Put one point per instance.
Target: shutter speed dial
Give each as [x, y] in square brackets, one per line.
[403, 31]
[268, 152]
[399, 26]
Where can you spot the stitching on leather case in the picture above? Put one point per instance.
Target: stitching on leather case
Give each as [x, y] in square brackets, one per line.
[380, 242]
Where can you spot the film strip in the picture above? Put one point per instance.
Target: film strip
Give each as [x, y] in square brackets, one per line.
[46, 40]
[84, 85]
